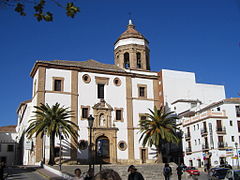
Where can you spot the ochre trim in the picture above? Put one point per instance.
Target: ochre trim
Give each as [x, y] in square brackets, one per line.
[61, 92]
[115, 110]
[80, 69]
[74, 108]
[146, 154]
[111, 134]
[145, 91]
[130, 119]
[88, 107]
[40, 99]
[119, 81]
[101, 80]
[86, 81]
[62, 83]
[156, 93]
[122, 149]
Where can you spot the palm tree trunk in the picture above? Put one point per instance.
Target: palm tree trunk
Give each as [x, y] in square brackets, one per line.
[52, 145]
[159, 154]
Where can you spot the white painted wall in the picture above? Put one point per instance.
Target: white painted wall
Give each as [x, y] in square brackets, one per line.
[127, 41]
[182, 85]
[66, 74]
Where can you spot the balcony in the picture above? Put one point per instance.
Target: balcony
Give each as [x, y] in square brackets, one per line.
[188, 150]
[204, 115]
[221, 130]
[222, 145]
[205, 147]
[204, 132]
[187, 136]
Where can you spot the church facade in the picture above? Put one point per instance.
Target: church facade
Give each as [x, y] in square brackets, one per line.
[116, 95]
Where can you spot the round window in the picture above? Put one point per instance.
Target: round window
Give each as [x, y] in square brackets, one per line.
[83, 144]
[122, 145]
[86, 78]
[117, 81]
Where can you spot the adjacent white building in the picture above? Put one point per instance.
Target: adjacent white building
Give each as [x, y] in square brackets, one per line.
[8, 145]
[212, 133]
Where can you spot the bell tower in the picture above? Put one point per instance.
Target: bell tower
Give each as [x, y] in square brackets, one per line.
[131, 50]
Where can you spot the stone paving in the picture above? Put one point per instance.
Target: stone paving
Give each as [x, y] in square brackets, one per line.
[150, 172]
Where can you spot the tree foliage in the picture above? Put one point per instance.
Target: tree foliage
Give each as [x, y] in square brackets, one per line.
[49, 120]
[159, 127]
[40, 8]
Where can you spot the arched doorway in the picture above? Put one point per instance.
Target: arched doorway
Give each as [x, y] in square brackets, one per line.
[103, 149]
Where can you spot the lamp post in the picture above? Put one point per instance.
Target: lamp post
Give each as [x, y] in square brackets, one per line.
[90, 124]
[60, 150]
[236, 145]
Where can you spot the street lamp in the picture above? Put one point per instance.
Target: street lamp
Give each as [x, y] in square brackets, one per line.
[90, 125]
[236, 145]
[60, 151]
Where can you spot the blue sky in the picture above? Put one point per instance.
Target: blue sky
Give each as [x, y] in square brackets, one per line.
[201, 36]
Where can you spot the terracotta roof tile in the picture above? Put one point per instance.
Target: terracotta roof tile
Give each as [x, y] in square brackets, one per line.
[131, 32]
[11, 128]
[90, 64]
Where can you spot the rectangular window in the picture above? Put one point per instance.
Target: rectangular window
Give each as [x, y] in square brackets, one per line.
[85, 113]
[118, 115]
[232, 138]
[238, 122]
[100, 91]
[142, 91]
[10, 148]
[238, 111]
[219, 125]
[231, 123]
[143, 117]
[57, 85]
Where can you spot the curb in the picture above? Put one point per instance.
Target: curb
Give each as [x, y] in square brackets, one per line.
[58, 173]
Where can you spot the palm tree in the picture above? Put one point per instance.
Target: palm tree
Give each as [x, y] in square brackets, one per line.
[159, 127]
[50, 120]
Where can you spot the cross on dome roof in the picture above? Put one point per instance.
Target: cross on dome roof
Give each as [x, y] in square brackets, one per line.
[131, 32]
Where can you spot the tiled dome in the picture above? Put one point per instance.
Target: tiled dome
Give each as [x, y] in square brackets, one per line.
[131, 32]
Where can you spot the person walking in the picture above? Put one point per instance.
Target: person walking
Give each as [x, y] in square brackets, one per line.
[179, 172]
[167, 171]
[77, 173]
[134, 174]
[90, 174]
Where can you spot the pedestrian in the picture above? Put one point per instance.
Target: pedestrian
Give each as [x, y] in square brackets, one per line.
[107, 174]
[208, 167]
[179, 172]
[167, 171]
[90, 174]
[134, 174]
[77, 173]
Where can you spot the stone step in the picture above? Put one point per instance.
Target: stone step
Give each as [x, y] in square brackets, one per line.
[150, 172]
